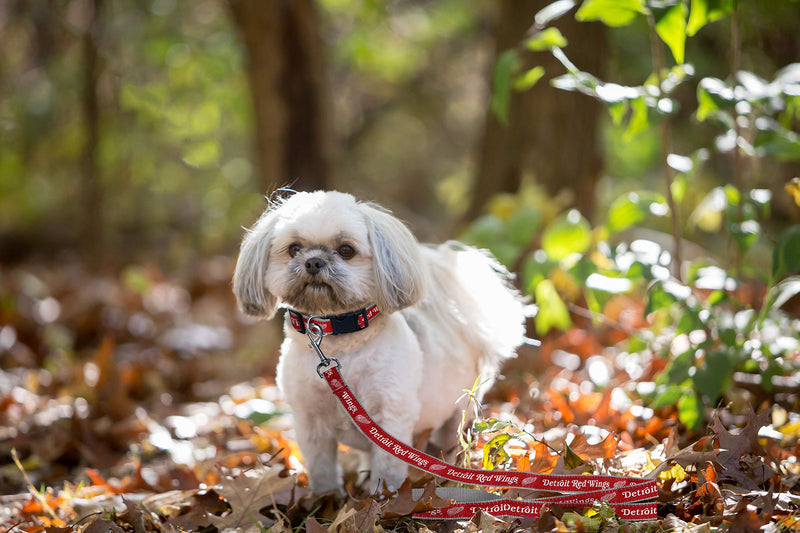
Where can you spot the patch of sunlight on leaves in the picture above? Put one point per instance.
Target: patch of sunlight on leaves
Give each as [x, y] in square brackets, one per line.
[676, 472]
[671, 27]
[494, 453]
[611, 12]
[530, 78]
[545, 40]
[568, 234]
[202, 154]
[706, 11]
[553, 312]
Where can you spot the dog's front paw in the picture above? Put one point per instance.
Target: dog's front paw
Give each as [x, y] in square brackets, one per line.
[326, 478]
[387, 471]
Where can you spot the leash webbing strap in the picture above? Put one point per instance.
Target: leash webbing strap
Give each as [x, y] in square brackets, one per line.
[627, 496]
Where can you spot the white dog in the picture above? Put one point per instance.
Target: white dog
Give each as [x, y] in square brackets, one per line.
[412, 325]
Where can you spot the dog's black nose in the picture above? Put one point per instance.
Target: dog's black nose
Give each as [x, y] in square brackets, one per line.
[314, 264]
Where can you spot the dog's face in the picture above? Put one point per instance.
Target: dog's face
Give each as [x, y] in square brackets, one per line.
[320, 258]
[326, 253]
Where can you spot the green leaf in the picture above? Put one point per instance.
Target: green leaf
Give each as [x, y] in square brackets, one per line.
[486, 230]
[568, 234]
[525, 81]
[712, 377]
[494, 452]
[489, 231]
[634, 208]
[571, 459]
[713, 95]
[690, 411]
[618, 110]
[786, 254]
[489, 425]
[202, 154]
[552, 311]
[505, 252]
[507, 65]
[677, 370]
[671, 27]
[745, 233]
[774, 140]
[546, 39]
[611, 12]
[707, 11]
[669, 396]
[689, 321]
[706, 106]
[536, 267]
[522, 224]
[783, 292]
[639, 121]
[663, 294]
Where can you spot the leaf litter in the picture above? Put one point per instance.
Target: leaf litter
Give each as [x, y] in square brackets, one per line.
[127, 404]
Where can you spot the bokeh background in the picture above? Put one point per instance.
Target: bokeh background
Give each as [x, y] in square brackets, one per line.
[136, 129]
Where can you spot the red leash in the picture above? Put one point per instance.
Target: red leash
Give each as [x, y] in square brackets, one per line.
[627, 496]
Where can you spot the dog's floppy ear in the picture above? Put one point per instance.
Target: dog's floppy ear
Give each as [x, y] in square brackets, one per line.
[249, 283]
[397, 261]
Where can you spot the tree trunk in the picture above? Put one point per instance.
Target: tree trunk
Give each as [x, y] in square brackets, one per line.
[551, 134]
[293, 142]
[92, 236]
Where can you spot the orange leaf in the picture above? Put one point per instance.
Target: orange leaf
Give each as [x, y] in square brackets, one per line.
[604, 449]
[561, 405]
[543, 461]
[32, 506]
[524, 464]
[709, 473]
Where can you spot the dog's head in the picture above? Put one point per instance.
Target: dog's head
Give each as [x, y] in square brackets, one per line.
[326, 253]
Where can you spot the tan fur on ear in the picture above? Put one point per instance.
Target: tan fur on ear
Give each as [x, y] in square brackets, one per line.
[396, 258]
[249, 277]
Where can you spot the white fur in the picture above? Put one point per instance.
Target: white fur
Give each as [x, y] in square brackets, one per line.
[447, 316]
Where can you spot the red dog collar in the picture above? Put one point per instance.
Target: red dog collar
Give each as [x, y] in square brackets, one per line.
[335, 324]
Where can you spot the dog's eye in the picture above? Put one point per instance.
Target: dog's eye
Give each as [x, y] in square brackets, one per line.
[346, 251]
[294, 249]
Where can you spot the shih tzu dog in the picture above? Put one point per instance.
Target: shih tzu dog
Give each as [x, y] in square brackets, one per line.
[412, 325]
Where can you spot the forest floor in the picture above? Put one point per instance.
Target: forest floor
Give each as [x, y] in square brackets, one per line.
[141, 402]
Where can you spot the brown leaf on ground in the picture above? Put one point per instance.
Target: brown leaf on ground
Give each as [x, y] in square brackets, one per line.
[694, 454]
[313, 526]
[102, 525]
[405, 503]
[604, 449]
[247, 494]
[366, 517]
[741, 455]
[746, 520]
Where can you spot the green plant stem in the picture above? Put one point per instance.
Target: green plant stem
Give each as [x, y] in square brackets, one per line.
[471, 401]
[666, 149]
[35, 493]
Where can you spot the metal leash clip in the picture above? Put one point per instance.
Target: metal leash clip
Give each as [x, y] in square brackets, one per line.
[315, 335]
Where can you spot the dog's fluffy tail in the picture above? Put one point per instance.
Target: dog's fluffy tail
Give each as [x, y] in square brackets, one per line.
[475, 298]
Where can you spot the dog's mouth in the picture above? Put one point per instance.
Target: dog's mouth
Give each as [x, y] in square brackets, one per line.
[316, 286]
[323, 294]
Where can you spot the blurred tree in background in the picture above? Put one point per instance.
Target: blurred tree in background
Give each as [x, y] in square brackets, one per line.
[125, 128]
[153, 128]
[291, 100]
[529, 141]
